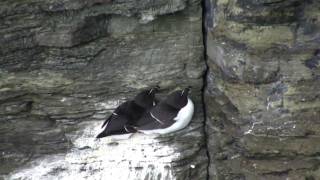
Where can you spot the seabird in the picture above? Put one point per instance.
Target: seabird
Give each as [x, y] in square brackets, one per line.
[170, 115]
[125, 116]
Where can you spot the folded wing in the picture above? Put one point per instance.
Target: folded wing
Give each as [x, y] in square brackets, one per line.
[159, 117]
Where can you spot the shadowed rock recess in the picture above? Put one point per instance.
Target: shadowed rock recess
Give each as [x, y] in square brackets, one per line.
[263, 89]
[65, 64]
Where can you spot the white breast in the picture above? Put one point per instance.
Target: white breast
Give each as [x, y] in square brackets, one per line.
[182, 119]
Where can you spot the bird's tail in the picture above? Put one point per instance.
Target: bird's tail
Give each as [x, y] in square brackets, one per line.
[102, 134]
[118, 132]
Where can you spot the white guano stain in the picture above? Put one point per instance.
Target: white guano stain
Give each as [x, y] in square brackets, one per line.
[252, 127]
[145, 18]
[129, 159]
[107, 105]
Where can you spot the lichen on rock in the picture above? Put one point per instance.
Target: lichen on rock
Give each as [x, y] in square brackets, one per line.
[262, 95]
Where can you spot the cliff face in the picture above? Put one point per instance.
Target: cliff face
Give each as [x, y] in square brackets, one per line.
[65, 64]
[262, 96]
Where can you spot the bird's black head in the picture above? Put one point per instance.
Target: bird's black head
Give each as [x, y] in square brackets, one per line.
[146, 98]
[178, 99]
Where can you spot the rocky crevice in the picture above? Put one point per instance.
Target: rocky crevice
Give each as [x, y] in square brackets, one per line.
[205, 13]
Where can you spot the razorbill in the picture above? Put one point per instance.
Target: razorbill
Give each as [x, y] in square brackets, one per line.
[170, 115]
[126, 115]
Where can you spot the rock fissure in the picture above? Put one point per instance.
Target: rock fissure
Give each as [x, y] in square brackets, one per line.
[204, 86]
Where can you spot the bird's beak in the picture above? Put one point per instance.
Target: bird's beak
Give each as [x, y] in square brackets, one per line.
[156, 88]
[189, 89]
[186, 90]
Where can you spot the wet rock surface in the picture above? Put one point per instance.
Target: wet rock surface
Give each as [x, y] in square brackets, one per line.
[262, 95]
[66, 63]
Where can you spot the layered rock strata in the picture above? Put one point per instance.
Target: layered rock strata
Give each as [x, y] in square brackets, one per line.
[262, 96]
[65, 64]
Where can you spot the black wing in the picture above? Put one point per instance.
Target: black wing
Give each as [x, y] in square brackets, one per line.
[161, 116]
[118, 111]
[107, 120]
[115, 125]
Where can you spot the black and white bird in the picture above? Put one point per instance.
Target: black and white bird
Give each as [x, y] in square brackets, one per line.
[127, 114]
[172, 114]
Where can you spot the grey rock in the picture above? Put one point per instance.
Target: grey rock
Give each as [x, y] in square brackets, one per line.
[74, 33]
[66, 64]
[262, 97]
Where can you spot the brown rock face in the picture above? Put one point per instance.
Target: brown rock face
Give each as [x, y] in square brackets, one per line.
[262, 96]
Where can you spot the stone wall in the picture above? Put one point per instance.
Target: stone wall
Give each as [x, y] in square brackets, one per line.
[262, 96]
[65, 64]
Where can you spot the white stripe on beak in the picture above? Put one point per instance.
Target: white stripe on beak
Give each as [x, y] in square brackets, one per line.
[151, 90]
